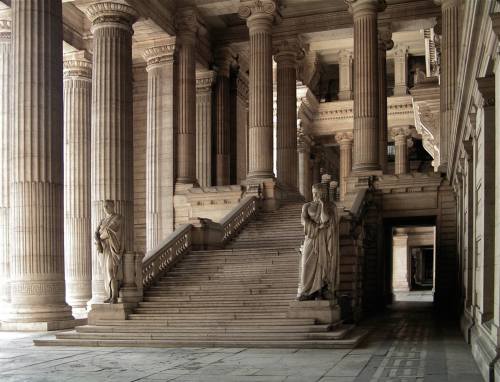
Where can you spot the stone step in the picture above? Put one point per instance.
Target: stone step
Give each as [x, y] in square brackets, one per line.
[222, 298]
[347, 343]
[200, 322]
[263, 291]
[212, 304]
[169, 310]
[211, 329]
[210, 316]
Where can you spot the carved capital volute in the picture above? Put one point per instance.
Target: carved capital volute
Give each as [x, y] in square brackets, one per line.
[400, 133]
[287, 51]
[78, 65]
[259, 14]
[224, 58]
[385, 38]
[160, 54]
[344, 138]
[111, 14]
[205, 80]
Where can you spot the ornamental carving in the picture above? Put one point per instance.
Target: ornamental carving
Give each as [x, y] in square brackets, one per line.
[345, 137]
[110, 12]
[254, 7]
[288, 50]
[354, 5]
[186, 21]
[205, 80]
[33, 288]
[160, 54]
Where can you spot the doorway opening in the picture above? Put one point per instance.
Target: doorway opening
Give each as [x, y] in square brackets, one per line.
[413, 263]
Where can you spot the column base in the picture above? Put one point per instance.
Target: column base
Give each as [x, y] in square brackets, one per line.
[42, 326]
[323, 311]
[100, 312]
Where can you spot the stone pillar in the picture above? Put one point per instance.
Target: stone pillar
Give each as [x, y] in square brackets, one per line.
[304, 163]
[160, 142]
[316, 169]
[345, 75]
[345, 142]
[223, 60]
[366, 94]
[36, 181]
[449, 65]
[384, 44]
[204, 84]
[111, 141]
[260, 16]
[486, 194]
[5, 142]
[187, 23]
[77, 228]
[401, 71]
[241, 128]
[400, 263]
[285, 55]
[401, 150]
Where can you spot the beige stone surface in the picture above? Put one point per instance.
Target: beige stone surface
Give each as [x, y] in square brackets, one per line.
[77, 131]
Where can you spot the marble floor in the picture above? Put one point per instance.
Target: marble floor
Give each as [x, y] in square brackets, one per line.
[407, 344]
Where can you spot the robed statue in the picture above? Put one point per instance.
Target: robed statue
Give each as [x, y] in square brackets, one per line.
[319, 266]
[109, 240]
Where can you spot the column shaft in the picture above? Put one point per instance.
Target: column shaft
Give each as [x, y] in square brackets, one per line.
[345, 76]
[241, 129]
[77, 228]
[259, 22]
[345, 142]
[186, 115]
[204, 82]
[159, 143]
[36, 183]
[449, 66]
[286, 164]
[111, 140]
[5, 126]
[401, 71]
[366, 94]
[222, 128]
[385, 43]
[401, 152]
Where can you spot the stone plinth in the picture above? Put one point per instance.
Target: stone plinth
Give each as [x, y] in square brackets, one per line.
[100, 312]
[323, 311]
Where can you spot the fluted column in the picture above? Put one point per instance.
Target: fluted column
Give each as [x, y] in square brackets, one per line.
[366, 147]
[401, 150]
[77, 228]
[223, 60]
[384, 44]
[241, 127]
[160, 143]
[401, 71]
[36, 181]
[285, 55]
[316, 168]
[204, 84]
[260, 16]
[345, 142]
[5, 125]
[304, 159]
[187, 26]
[448, 77]
[111, 140]
[345, 75]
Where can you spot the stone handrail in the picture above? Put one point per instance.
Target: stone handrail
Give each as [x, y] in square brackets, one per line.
[160, 259]
[238, 217]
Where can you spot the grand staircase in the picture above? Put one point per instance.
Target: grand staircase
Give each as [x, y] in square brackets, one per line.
[236, 297]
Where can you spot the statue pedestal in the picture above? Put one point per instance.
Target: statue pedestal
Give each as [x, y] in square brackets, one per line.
[323, 311]
[99, 312]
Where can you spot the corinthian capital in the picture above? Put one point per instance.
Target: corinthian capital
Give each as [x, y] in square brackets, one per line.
[5, 28]
[385, 37]
[109, 12]
[159, 54]
[205, 80]
[187, 21]
[78, 65]
[344, 138]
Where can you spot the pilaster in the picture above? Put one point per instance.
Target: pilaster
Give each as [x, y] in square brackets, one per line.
[401, 71]
[345, 141]
[345, 75]
[400, 134]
